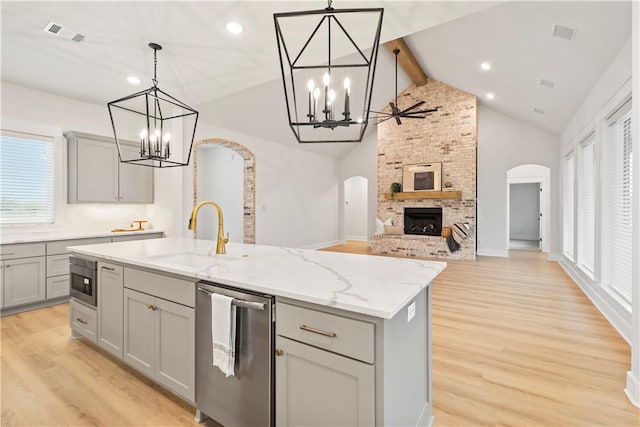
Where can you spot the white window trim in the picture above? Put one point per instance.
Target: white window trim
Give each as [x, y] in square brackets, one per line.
[571, 154]
[59, 166]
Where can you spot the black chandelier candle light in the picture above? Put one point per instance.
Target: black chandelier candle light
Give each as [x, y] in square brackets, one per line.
[330, 68]
[142, 125]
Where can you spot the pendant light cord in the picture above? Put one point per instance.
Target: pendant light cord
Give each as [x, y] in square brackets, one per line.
[155, 67]
[397, 78]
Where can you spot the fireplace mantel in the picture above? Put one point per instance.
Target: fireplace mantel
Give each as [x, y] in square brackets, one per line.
[419, 195]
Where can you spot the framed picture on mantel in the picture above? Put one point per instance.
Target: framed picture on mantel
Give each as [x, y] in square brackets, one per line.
[422, 177]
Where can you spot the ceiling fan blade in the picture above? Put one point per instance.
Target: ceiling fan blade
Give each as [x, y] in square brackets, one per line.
[398, 120]
[432, 110]
[413, 117]
[413, 106]
[384, 120]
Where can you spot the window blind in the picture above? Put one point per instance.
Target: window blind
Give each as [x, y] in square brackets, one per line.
[586, 208]
[617, 212]
[26, 179]
[568, 211]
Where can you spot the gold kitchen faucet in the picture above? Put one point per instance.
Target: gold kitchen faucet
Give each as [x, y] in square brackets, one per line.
[222, 241]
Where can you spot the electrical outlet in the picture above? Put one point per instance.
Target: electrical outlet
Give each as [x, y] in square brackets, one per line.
[411, 311]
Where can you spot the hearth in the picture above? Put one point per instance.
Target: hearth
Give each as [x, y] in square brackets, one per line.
[424, 221]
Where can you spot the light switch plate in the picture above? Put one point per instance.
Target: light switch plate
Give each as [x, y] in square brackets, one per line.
[411, 311]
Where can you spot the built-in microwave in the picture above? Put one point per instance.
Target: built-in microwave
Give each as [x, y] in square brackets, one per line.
[83, 282]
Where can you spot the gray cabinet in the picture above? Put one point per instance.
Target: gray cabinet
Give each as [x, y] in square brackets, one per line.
[110, 315]
[95, 174]
[58, 286]
[159, 341]
[325, 372]
[319, 388]
[83, 321]
[23, 281]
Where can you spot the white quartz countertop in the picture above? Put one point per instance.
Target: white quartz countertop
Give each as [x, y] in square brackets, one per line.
[373, 285]
[49, 236]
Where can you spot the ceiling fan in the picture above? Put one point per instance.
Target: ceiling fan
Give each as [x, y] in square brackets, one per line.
[407, 113]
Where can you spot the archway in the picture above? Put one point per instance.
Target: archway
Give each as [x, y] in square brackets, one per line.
[249, 175]
[528, 207]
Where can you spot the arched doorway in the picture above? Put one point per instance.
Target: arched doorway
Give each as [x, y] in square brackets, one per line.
[222, 152]
[528, 207]
[356, 208]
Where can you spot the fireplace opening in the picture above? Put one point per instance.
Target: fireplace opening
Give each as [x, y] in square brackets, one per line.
[424, 221]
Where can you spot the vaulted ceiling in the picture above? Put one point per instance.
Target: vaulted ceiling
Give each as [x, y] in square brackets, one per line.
[234, 79]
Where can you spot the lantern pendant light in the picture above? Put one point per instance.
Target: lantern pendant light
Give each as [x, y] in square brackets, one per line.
[145, 125]
[328, 61]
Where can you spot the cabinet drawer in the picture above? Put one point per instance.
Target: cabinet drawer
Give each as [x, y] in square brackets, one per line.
[130, 237]
[352, 338]
[21, 250]
[83, 320]
[169, 288]
[58, 286]
[57, 265]
[60, 246]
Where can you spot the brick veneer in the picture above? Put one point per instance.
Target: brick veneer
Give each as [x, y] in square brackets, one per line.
[450, 136]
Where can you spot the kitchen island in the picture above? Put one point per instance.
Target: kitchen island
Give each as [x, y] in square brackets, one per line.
[362, 358]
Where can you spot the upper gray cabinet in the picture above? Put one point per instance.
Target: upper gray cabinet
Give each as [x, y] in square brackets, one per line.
[97, 176]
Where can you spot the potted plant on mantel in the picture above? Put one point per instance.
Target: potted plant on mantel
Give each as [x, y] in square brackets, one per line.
[395, 187]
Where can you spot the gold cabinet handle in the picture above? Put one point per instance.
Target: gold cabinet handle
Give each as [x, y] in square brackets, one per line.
[84, 322]
[149, 307]
[279, 352]
[318, 331]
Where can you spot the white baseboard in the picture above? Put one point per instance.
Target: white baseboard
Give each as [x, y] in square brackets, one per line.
[358, 238]
[323, 244]
[613, 312]
[524, 237]
[492, 252]
[633, 389]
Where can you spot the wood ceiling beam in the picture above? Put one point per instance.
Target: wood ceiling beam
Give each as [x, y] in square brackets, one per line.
[407, 61]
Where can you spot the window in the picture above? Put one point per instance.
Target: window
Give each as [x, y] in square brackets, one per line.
[586, 206]
[617, 210]
[26, 179]
[568, 210]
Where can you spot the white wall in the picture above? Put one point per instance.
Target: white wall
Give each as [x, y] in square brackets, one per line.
[363, 161]
[27, 109]
[297, 192]
[524, 211]
[613, 88]
[221, 180]
[504, 143]
[355, 208]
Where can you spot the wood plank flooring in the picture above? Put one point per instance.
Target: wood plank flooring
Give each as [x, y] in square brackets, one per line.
[515, 342]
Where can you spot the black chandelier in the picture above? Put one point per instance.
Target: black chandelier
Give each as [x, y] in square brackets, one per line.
[143, 124]
[407, 113]
[318, 111]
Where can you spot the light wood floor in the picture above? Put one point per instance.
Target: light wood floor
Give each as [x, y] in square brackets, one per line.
[515, 342]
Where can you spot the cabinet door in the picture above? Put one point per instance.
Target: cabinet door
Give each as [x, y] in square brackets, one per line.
[316, 387]
[135, 181]
[97, 171]
[139, 331]
[24, 281]
[57, 286]
[110, 293]
[175, 347]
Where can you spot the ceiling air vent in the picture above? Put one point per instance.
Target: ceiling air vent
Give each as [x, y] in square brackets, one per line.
[77, 38]
[547, 83]
[52, 28]
[563, 32]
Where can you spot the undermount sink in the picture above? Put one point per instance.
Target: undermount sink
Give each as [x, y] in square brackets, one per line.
[194, 259]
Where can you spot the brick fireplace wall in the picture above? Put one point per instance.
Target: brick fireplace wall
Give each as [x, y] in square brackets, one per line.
[450, 136]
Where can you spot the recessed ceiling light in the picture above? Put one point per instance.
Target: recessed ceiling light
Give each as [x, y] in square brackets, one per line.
[485, 66]
[133, 80]
[539, 111]
[234, 28]
[491, 96]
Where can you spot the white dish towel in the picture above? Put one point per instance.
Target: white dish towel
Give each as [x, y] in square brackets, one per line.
[223, 332]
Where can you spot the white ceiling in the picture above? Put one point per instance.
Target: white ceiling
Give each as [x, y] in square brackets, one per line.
[202, 62]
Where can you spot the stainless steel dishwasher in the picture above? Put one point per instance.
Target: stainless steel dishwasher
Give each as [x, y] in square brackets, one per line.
[247, 397]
